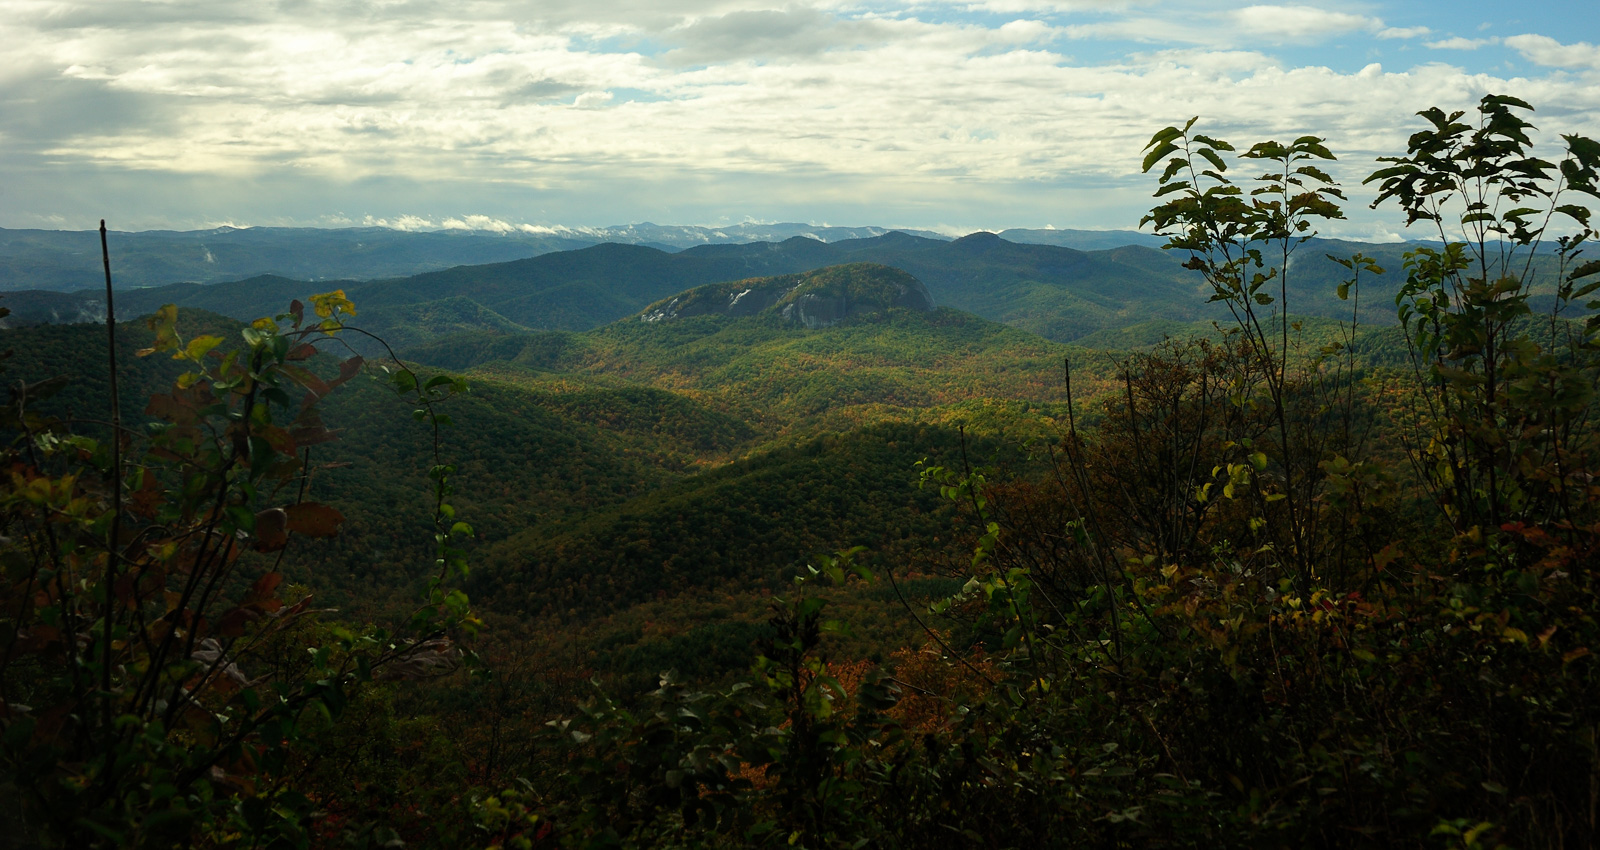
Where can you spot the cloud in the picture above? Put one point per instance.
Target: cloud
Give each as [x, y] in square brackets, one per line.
[419, 113]
[1459, 43]
[1547, 51]
[770, 33]
[400, 222]
[1298, 23]
[1227, 28]
[592, 99]
[1005, 7]
[1403, 32]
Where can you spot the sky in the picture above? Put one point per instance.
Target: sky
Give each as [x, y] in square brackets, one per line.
[953, 115]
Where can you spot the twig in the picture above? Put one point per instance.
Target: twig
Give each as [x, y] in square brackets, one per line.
[112, 552]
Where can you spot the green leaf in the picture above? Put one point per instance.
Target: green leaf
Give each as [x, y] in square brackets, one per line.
[1166, 134]
[1215, 160]
[1313, 171]
[1157, 155]
[1575, 212]
[1503, 100]
[1585, 270]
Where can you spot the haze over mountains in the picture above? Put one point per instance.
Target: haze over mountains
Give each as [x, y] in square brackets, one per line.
[1058, 292]
[68, 260]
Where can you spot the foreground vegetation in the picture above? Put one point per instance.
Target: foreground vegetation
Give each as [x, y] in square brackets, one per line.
[1230, 592]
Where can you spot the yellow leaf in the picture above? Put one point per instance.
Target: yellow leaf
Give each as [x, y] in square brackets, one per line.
[198, 347]
[329, 303]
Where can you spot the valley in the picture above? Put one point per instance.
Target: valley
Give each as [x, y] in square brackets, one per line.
[648, 472]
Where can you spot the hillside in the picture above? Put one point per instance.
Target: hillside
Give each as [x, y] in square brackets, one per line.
[782, 375]
[67, 260]
[1057, 292]
[559, 425]
[742, 529]
[821, 298]
[524, 455]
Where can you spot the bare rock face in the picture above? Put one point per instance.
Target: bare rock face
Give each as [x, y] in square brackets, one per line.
[816, 299]
[39, 307]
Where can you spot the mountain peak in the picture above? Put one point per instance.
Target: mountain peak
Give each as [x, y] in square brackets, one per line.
[979, 240]
[815, 299]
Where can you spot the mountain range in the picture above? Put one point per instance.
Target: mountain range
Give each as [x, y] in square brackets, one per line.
[70, 260]
[1130, 292]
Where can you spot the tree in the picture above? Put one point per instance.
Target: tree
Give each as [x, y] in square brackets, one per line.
[154, 683]
[1243, 244]
[1507, 403]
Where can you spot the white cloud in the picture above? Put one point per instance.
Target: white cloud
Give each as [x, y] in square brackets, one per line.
[1459, 43]
[1547, 51]
[400, 222]
[1300, 22]
[1403, 32]
[481, 113]
[1012, 7]
[593, 99]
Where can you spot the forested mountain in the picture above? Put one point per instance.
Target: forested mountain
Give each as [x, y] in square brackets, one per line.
[778, 373]
[1056, 292]
[742, 529]
[1083, 240]
[62, 260]
[533, 453]
[561, 424]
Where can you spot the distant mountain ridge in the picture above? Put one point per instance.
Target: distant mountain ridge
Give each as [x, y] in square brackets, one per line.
[64, 261]
[1060, 293]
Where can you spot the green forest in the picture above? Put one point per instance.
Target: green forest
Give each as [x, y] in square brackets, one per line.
[1297, 545]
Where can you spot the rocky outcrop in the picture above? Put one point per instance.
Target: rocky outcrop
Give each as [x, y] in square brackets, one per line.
[38, 307]
[816, 299]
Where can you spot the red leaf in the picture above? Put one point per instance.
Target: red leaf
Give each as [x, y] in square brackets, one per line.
[306, 378]
[272, 530]
[280, 440]
[347, 370]
[171, 408]
[303, 604]
[231, 624]
[313, 519]
[308, 429]
[265, 586]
